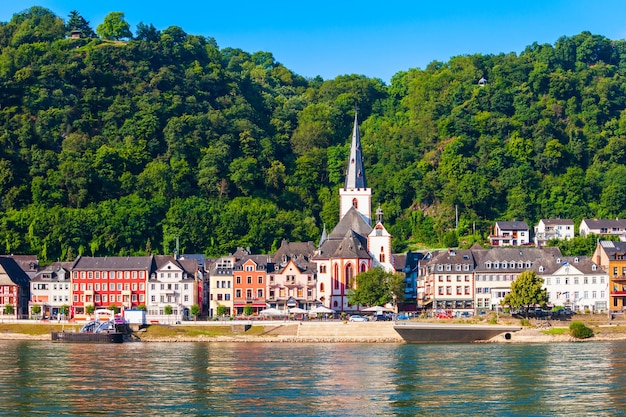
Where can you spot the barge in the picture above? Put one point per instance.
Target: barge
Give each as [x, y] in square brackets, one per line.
[451, 333]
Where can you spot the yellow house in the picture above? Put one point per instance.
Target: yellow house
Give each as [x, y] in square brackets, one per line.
[611, 256]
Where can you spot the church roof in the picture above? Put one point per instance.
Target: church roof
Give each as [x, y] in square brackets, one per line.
[355, 174]
[352, 220]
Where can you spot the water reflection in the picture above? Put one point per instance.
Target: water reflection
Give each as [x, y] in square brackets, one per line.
[176, 379]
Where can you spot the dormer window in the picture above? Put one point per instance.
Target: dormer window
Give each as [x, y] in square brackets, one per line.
[593, 267]
[488, 265]
[496, 265]
[558, 260]
[575, 260]
[541, 268]
[504, 265]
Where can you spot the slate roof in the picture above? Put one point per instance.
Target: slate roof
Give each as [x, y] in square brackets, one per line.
[52, 270]
[355, 173]
[582, 263]
[514, 225]
[558, 222]
[352, 220]
[514, 256]
[612, 248]
[301, 253]
[12, 274]
[594, 224]
[114, 263]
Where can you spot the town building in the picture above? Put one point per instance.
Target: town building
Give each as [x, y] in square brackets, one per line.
[250, 278]
[576, 283]
[14, 289]
[497, 268]
[172, 289]
[110, 281]
[611, 256]
[51, 290]
[515, 233]
[449, 282]
[602, 227]
[408, 264]
[221, 287]
[353, 246]
[549, 229]
[293, 282]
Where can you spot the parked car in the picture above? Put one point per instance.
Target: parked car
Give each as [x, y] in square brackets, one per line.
[444, 315]
[382, 317]
[356, 317]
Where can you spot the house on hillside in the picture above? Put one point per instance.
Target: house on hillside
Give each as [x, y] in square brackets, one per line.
[515, 233]
[548, 229]
[602, 227]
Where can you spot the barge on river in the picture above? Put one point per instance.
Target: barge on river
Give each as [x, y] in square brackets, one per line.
[451, 333]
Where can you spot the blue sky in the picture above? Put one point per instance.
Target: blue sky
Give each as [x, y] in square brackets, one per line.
[373, 38]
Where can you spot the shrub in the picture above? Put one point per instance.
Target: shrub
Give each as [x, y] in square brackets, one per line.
[578, 330]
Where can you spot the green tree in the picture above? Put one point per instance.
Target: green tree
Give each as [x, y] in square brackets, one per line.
[114, 27]
[376, 287]
[35, 310]
[142, 307]
[64, 310]
[526, 292]
[8, 309]
[115, 309]
[77, 22]
[221, 310]
[195, 311]
[248, 310]
[89, 309]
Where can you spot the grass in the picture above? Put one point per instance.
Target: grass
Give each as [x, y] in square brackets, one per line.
[164, 331]
[36, 329]
[556, 331]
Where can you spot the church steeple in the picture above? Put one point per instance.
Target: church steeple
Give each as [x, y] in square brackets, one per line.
[355, 193]
[355, 174]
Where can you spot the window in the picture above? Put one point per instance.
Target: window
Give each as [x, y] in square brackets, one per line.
[104, 298]
[134, 286]
[219, 297]
[152, 287]
[249, 280]
[226, 297]
[98, 286]
[186, 298]
[259, 293]
[153, 298]
[238, 280]
[119, 286]
[238, 293]
[141, 298]
[260, 279]
[97, 298]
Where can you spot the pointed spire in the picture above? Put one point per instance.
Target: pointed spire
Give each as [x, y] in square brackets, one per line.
[324, 236]
[355, 174]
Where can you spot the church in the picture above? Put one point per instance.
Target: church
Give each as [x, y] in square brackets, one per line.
[355, 244]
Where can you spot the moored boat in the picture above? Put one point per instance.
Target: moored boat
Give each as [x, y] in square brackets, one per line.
[95, 332]
[451, 333]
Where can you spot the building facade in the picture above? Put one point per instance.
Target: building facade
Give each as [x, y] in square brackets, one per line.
[548, 229]
[514, 233]
[51, 289]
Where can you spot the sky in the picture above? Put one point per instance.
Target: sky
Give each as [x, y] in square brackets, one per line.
[372, 38]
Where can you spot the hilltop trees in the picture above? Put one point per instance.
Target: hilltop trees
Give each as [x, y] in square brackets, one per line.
[105, 146]
[114, 27]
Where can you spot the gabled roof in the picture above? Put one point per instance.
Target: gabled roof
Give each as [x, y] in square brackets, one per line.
[300, 253]
[114, 263]
[514, 256]
[558, 222]
[352, 246]
[52, 270]
[514, 225]
[611, 248]
[352, 220]
[12, 274]
[604, 224]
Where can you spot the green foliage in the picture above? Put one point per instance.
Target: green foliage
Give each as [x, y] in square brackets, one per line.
[36, 309]
[221, 310]
[115, 309]
[142, 307]
[248, 310]
[114, 27]
[579, 330]
[105, 146]
[195, 311]
[168, 310]
[89, 309]
[526, 292]
[64, 309]
[8, 309]
[376, 287]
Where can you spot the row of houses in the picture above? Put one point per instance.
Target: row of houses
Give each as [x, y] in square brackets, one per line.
[517, 233]
[454, 280]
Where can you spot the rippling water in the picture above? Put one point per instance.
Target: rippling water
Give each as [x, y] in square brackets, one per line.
[223, 379]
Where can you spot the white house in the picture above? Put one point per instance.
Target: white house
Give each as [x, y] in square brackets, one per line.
[575, 282]
[51, 288]
[172, 284]
[603, 227]
[515, 233]
[548, 229]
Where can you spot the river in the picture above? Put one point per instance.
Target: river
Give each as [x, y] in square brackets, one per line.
[322, 379]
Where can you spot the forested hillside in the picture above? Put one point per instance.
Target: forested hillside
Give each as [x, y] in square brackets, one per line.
[119, 147]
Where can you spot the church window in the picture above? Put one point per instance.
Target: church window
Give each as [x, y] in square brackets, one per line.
[322, 287]
[349, 273]
[363, 266]
[355, 203]
[323, 269]
[336, 277]
[381, 257]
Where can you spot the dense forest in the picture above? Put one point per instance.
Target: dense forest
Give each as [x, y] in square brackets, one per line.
[120, 143]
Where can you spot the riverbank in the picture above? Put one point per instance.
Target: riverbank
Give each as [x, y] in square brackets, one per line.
[317, 331]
